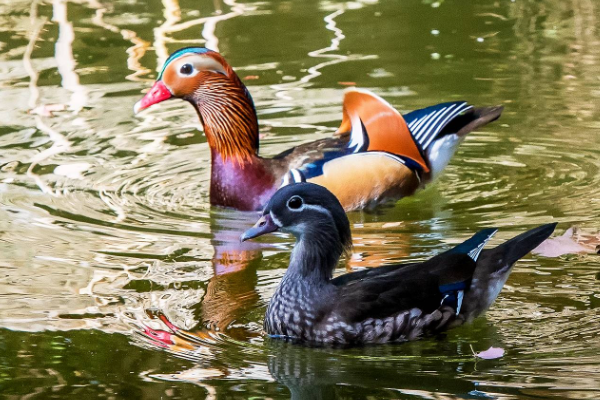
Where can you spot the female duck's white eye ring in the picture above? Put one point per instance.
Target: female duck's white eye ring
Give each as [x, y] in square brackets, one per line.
[295, 203]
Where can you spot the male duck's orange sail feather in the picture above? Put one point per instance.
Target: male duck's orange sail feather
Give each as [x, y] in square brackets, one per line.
[386, 128]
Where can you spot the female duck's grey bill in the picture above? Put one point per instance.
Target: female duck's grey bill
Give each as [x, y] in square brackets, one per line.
[264, 225]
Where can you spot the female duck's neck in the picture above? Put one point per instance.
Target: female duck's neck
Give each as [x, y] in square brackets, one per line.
[245, 186]
[315, 256]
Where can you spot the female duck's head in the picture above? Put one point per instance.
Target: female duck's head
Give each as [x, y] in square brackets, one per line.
[203, 78]
[314, 216]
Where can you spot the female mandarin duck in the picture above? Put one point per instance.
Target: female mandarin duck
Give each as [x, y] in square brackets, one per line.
[387, 304]
[377, 153]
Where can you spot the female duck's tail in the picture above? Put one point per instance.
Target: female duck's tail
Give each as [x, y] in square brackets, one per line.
[494, 266]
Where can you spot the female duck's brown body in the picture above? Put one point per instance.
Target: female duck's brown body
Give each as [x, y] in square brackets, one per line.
[376, 154]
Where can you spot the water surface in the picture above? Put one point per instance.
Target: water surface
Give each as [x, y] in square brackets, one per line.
[117, 278]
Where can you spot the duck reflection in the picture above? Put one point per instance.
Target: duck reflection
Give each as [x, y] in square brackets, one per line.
[321, 373]
[229, 295]
[433, 368]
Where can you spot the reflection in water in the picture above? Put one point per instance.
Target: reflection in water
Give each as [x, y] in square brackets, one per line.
[135, 52]
[64, 57]
[173, 24]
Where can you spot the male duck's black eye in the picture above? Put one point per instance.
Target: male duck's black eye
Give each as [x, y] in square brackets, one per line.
[295, 203]
[186, 69]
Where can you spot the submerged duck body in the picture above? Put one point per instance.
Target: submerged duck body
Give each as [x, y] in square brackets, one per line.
[376, 154]
[393, 303]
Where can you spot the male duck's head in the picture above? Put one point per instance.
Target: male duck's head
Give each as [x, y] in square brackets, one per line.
[203, 78]
[310, 212]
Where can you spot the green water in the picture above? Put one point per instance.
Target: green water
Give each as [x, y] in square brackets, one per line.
[106, 233]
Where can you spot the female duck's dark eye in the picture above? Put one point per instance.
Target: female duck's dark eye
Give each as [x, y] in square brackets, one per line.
[295, 203]
[186, 69]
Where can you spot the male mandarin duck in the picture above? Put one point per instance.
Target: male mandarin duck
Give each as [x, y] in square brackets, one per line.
[392, 303]
[377, 153]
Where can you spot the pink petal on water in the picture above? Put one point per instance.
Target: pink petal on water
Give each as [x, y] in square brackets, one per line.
[573, 241]
[491, 353]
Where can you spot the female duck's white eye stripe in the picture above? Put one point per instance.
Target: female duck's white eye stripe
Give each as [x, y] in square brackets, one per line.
[320, 209]
[275, 220]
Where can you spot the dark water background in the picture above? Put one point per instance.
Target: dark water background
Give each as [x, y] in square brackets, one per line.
[107, 237]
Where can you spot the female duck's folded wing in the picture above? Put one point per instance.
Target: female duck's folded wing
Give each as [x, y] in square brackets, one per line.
[439, 281]
[402, 290]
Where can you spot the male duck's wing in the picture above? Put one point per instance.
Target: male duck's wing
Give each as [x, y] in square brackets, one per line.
[442, 280]
[369, 124]
[375, 125]
[374, 158]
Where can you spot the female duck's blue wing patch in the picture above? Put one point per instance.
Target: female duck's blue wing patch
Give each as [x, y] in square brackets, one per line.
[427, 123]
[453, 294]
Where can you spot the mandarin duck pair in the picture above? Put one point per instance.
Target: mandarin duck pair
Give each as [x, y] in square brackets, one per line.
[377, 154]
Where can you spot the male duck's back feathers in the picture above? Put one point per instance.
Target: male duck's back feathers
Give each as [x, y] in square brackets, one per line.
[380, 153]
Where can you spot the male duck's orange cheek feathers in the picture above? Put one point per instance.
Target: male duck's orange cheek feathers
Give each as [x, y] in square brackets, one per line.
[180, 86]
[386, 129]
[159, 92]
